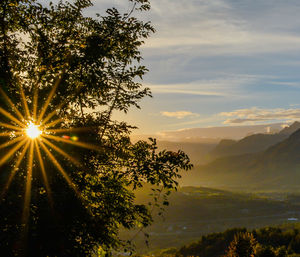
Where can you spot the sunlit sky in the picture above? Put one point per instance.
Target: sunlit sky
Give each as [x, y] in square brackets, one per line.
[219, 62]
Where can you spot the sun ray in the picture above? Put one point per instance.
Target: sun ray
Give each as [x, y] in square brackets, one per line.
[50, 115]
[9, 126]
[22, 243]
[24, 102]
[35, 147]
[35, 103]
[15, 169]
[11, 152]
[11, 104]
[53, 123]
[44, 174]
[11, 142]
[11, 117]
[80, 144]
[60, 168]
[63, 153]
[68, 130]
[52, 92]
[27, 198]
[7, 134]
[58, 107]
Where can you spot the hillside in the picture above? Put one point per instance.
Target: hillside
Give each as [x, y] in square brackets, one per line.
[278, 168]
[290, 129]
[251, 144]
[197, 152]
[284, 239]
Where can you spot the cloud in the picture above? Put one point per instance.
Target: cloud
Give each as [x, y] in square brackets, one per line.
[179, 114]
[186, 92]
[214, 43]
[204, 120]
[295, 84]
[227, 86]
[240, 121]
[224, 27]
[256, 115]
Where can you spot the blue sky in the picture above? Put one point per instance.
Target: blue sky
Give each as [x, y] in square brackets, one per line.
[219, 62]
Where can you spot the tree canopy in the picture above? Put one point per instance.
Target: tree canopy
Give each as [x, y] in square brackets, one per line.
[68, 192]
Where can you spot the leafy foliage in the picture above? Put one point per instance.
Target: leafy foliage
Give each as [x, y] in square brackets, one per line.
[94, 63]
[243, 244]
[264, 242]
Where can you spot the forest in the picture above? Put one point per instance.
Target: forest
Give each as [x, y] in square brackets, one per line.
[265, 242]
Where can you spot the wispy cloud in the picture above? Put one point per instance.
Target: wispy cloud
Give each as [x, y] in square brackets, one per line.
[219, 43]
[254, 115]
[170, 90]
[198, 122]
[202, 54]
[224, 27]
[229, 85]
[295, 84]
[179, 114]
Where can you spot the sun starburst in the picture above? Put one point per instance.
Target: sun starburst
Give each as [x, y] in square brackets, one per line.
[33, 131]
[33, 134]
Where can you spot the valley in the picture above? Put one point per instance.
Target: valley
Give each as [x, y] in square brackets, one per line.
[252, 182]
[197, 211]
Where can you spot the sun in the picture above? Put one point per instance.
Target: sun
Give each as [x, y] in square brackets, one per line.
[32, 136]
[33, 131]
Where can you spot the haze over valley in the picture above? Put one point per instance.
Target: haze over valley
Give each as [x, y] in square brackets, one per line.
[249, 181]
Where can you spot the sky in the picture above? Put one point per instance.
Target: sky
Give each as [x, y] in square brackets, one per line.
[218, 63]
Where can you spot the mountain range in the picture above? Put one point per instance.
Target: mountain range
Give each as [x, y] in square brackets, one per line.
[251, 144]
[197, 151]
[275, 168]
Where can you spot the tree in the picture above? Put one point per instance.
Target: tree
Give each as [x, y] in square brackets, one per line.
[68, 195]
[243, 245]
[266, 251]
[281, 252]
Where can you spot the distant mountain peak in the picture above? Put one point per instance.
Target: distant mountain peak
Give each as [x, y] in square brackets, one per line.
[295, 135]
[291, 129]
[255, 143]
